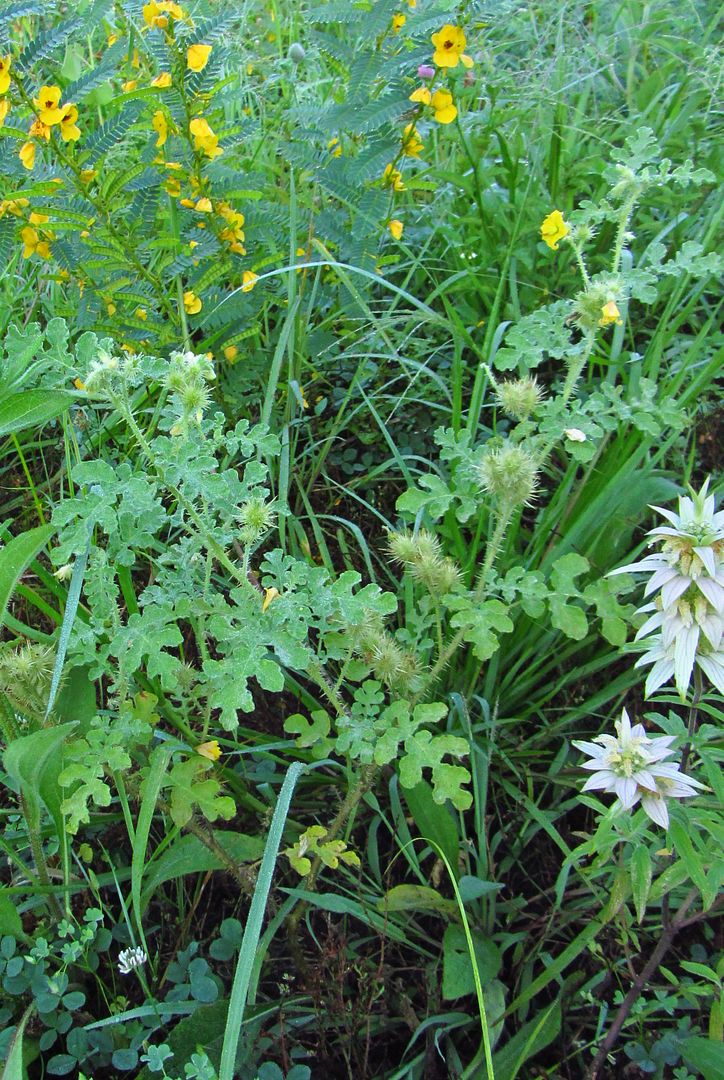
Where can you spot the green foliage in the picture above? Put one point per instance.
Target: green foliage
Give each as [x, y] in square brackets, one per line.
[312, 448]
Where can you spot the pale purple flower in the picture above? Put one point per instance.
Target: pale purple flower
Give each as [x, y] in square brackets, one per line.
[425, 71]
[631, 766]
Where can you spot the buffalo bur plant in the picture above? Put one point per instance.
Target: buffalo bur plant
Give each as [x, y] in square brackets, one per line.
[334, 405]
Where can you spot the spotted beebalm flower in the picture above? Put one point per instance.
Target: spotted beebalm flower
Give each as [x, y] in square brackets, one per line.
[631, 766]
[449, 48]
[554, 229]
[686, 617]
[131, 958]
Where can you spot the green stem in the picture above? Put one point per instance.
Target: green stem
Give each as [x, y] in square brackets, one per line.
[41, 867]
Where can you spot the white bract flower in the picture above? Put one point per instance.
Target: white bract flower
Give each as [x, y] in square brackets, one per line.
[631, 766]
[131, 958]
[686, 624]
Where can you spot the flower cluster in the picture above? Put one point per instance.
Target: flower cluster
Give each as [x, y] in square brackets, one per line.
[49, 113]
[129, 959]
[686, 622]
[631, 766]
[449, 46]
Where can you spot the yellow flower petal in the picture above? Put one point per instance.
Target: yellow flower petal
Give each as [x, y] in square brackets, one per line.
[197, 57]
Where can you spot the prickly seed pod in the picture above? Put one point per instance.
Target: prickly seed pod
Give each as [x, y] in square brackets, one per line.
[256, 516]
[194, 400]
[366, 633]
[26, 673]
[519, 398]
[409, 548]
[510, 475]
[439, 576]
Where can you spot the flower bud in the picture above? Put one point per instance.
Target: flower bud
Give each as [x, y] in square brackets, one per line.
[296, 53]
[510, 474]
[425, 71]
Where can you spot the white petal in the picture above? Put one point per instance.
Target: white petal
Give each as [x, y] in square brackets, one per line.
[684, 653]
[651, 624]
[588, 748]
[660, 673]
[714, 669]
[656, 809]
[673, 589]
[626, 789]
[600, 781]
[706, 554]
[668, 514]
[714, 593]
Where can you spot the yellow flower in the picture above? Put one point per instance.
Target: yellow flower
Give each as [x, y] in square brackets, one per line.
[37, 219]
[141, 313]
[192, 303]
[449, 44]
[412, 4]
[88, 175]
[159, 125]
[421, 94]
[210, 750]
[13, 206]
[610, 314]
[204, 138]
[129, 85]
[172, 187]
[395, 228]
[269, 595]
[554, 229]
[442, 103]
[112, 39]
[27, 155]
[197, 57]
[230, 353]
[39, 130]
[161, 81]
[203, 205]
[33, 245]
[5, 62]
[4, 110]
[111, 308]
[69, 130]
[249, 279]
[411, 142]
[334, 147]
[398, 21]
[392, 177]
[47, 104]
[158, 14]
